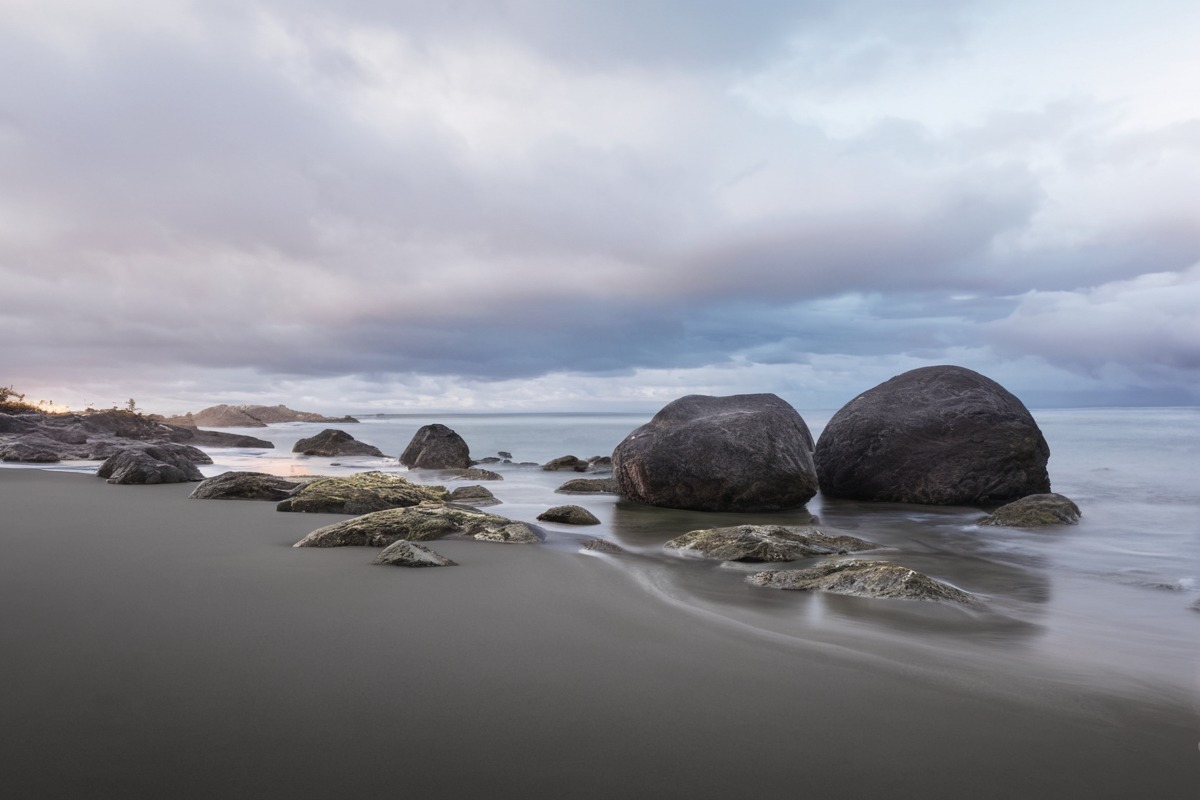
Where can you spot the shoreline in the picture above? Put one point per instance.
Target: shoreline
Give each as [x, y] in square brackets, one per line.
[184, 648]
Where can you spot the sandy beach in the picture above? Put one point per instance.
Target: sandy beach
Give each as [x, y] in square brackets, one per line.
[155, 646]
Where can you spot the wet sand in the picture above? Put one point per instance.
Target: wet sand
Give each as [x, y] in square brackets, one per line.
[155, 646]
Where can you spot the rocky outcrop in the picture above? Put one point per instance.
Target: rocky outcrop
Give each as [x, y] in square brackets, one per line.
[569, 515]
[589, 486]
[880, 579]
[332, 442]
[765, 543]
[937, 435]
[749, 452]
[1035, 511]
[360, 494]
[416, 524]
[154, 463]
[247, 416]
[411, 554]
[245, 486]
[436, 447]
[472, 496]
[45, 438]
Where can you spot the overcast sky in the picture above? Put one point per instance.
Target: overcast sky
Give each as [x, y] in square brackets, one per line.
[570, 204]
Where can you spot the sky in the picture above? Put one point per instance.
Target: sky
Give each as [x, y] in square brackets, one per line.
[570, 205]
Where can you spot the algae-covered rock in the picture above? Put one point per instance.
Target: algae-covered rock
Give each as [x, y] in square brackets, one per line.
[410, 554]
[1035, 511]
[477, 474]
[569, 515]
[245, 486]
[414, 523]
[755, 543]
[880, 579]
[360, 494]
[513, 533]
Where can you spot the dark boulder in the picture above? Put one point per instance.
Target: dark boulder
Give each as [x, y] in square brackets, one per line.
[862, 579]
[749, 452]
[936, 435]
[155, 463]
[566, 463]
[245, 486]
[569, 515]
[759, 543]
[436, 447]
[1035, 511]
[32, 448]
[332, 442]
[360, 494]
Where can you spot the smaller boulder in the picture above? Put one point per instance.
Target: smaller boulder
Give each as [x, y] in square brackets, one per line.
[332, 442]
[421, 523]
[602, 546]
[436, 447]
[565, 463]
[1035, 511]
[600, 463]
[410, 554]
[152, 464]
[245, 486]
[589, 486]
[477, 474]
[758, 543]
[569, 515]
[472, 496]
[513, 533]
[878, 579]
[504, 454]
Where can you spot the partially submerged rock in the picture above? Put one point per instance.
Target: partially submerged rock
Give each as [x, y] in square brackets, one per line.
[472, 496]
[589, 486]
[937, 435]
[762, 543]
[246, 486]
[749, 452]
[569, 515]
[410, 554]
[513, 533]
[360, 494]
[436, 447]
[880, 579]
[1035, 511]
[154, 463]
[566, 463]
[416, 524]
[333, 442]
[477, 474]
[602, 546]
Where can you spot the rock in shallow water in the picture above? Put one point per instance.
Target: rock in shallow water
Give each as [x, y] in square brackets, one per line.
[940, 435]
[880, 579]
[332, 442]
[436, 447]
[360, 494]
[473, 496]
[755, 543]
[569, 515]
[1035, 511]
[589, 486]
[410, 554]
[749, 452]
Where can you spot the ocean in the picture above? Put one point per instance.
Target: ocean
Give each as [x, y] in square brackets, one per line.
[1113, 602]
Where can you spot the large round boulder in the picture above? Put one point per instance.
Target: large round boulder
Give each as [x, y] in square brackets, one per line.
[937, 435]
[436, 447]
[746, 452]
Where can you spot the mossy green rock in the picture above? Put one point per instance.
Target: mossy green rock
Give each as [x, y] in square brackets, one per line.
[361, 494]
[755, 543]
[415, 524]
[1035, 511]
[862, 579]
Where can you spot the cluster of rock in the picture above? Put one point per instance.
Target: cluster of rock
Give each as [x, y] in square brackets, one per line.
[576, 464]
[247, 416]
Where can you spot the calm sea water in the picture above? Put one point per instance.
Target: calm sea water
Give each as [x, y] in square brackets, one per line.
[1114, 600]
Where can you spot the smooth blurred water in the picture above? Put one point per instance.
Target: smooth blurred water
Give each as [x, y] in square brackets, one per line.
[1113, 600]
